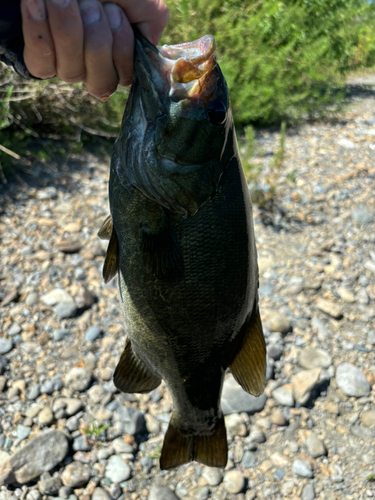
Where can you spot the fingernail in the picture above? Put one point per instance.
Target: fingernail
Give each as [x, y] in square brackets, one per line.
[113, 13]
[36, 9]
[90, 11]
[61, 3]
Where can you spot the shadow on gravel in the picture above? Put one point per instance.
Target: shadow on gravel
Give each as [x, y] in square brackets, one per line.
[57, 171]
[358, 91]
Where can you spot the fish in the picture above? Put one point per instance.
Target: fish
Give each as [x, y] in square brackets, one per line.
[181, 241]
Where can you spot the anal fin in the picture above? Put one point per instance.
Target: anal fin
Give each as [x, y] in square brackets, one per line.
[180, 448]
[250, 364]
[131, 374]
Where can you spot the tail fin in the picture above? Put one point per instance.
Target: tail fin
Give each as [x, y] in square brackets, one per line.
[180, 448]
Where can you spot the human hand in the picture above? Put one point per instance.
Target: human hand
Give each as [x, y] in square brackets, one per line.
[88, 41]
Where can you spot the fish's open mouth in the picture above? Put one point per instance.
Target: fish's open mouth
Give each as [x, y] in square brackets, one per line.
[187, 65]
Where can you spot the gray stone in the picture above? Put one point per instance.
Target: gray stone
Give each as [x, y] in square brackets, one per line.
[275, 351]
[212, 475]
[65, 492]
[308, 492]
[346, 143]
[65, 310]
[41, 454]
[236, 400]
[120, 446]
[284, 395]
[279, 474]
[100, 494]
[235, 425]
[161, 493]
[117, 470]
[248, 460]
[368, 418]
[23, 431]
[15, 329]
[320, 328]
[93, 333]
[6, 345]
[256, 436]
[48, 193]
[370, 337]
[51, 385]
[362, 216]
[78, 379]
[302, 468]
[234, 481]
[132, 420]
[352, 381]
[303, 384]
[76, 475]
[315, 446]
[33, 392]
[49, 486]
[60, 334]
[81, 443]
[31, 299]
[310, 358]
[33, 495]
[278, 322]
[45, 417]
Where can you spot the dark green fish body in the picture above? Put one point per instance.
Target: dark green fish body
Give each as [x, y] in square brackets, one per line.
[184, 248]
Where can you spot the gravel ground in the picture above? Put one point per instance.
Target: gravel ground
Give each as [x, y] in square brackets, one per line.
[67, 432]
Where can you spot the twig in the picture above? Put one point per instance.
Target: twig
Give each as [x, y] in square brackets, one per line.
[10, 153]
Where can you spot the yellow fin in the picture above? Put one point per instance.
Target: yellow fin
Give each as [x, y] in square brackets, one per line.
[110, 266]
[105, 231]
[131, 375]
[250, 364]
[208, 449]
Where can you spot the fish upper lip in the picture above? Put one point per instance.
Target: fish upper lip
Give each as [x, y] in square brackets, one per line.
[184, 65]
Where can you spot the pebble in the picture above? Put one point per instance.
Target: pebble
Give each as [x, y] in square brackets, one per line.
[346, 295]
[76, 475]
[368, 418]
[311, 358]
[235, 425]
[49, 486]
[303, 383]
[117, 470]
[6, 345]
[45, 417]
[132, 420]
[212, 475]
[234, 481]
[33, 392]
[308, 492]
[284, 395]
[277, 322]
[161, 493]
[248, 460]
[100, 494]
[352, 381]
[93, 333]
[329, 307]
[63, 303]
[302, 468]
[362, 216]
[54, 384]
[78, 379]
[41, 454]
[236, 400]
[315, 446]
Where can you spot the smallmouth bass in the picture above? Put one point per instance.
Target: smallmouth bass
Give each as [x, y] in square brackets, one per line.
[182, 242]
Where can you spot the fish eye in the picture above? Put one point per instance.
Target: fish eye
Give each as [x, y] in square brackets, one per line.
[216, 112]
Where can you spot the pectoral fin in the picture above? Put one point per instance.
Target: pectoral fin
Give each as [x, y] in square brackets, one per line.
[162, 254]
[249, 366]
[132, 375]
[110, 266]
[105, 231]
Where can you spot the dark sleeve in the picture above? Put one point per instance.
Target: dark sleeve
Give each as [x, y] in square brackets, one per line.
[11, 38]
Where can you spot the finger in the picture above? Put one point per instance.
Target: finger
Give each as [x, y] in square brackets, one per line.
[123, 43]
[101, 78]
[67, 32]
[151, 16]
[39, 53]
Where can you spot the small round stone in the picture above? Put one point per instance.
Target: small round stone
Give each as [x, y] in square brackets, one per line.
[308, 492]
[161, 493]
[352, 381]
[93, 333]
[302, 468]
[6, 345]
[234, 481]
[75, 475]
[117, 470]
[212, 475]
[368, 418]
[78, 379]
[100, 494]
[45, 417]
[315, 446]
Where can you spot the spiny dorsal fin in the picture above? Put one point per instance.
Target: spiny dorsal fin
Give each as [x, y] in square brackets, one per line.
[250, 364]
[110, 266]
[105, 231]
[180, 448]
[131, 374]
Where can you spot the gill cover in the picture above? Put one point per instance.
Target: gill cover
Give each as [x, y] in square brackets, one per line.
[177, 132]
